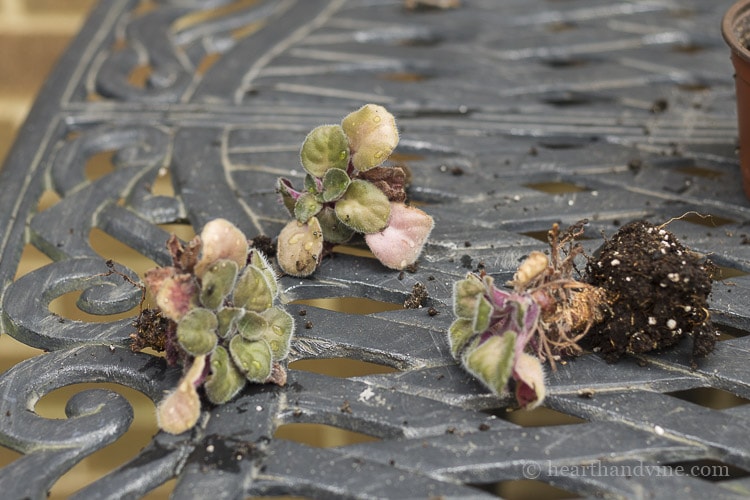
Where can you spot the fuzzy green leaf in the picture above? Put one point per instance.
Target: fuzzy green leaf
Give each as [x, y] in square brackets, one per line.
[253, 291]
[466, 294]
[306, 207]
[279, 332]
[284, 188]
[217, 283]
[334, 231]
[260, 261]
[252, 326]
[252, 357]
[227, 318]
[335, 182]
[311, 185]
[326, 147]
[364, 208]
[492, 361]
[482, 315]
[459, 334]
[225, 380]
[196, 332]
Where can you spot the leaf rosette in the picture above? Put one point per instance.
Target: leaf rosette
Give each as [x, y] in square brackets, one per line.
[225, 317]
[349, 190]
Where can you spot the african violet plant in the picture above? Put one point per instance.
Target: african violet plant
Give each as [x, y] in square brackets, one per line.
[501, 335]
[490, 335]
[642, 291]
[217, 319]
[348, 190]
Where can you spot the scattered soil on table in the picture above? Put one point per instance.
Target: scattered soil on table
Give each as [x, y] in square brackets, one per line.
[150, 325]
[264, 244]
[417, 297]
[657, 290]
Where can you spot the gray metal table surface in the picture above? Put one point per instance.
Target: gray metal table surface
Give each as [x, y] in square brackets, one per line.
[513, 114]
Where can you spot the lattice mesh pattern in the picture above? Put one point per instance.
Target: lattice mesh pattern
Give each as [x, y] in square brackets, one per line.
[512, 117]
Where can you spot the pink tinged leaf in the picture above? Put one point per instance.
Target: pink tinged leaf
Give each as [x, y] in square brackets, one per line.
[300, 247]
[179, 411]
[499, 297]
[400, 243]
[222, 240]
[156, 277]
[530, 322]
[529, 376]
[372, 135]
[176, 296]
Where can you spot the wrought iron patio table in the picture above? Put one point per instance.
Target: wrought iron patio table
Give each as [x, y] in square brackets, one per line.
[513, 114]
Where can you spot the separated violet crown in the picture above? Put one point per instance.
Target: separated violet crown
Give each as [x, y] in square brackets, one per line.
[348, 190]
[222, 323]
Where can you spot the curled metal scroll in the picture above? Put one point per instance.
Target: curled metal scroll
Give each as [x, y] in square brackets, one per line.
[511, 119]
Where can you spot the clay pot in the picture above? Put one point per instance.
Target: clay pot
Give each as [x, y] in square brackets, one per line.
[735, 28]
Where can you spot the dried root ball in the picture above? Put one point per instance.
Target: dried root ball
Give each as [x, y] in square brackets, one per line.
[658, 291]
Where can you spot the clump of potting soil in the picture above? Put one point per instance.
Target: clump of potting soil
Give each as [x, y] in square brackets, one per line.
[657, 292]
[417, 296]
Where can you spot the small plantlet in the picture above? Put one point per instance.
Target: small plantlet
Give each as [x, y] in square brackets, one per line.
[504, 335]
[643, 291]
[216, 317]
[347, 191]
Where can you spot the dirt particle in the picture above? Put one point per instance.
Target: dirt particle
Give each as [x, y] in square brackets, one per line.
[345, 407]
[432, 311]
[659, 106]
[417, 297]
[586, 393]
[264, 245]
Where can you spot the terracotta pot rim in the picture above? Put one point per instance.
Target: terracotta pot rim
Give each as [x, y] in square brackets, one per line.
[738, 12]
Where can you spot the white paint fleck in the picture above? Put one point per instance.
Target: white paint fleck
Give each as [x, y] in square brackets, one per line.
[365, 395]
